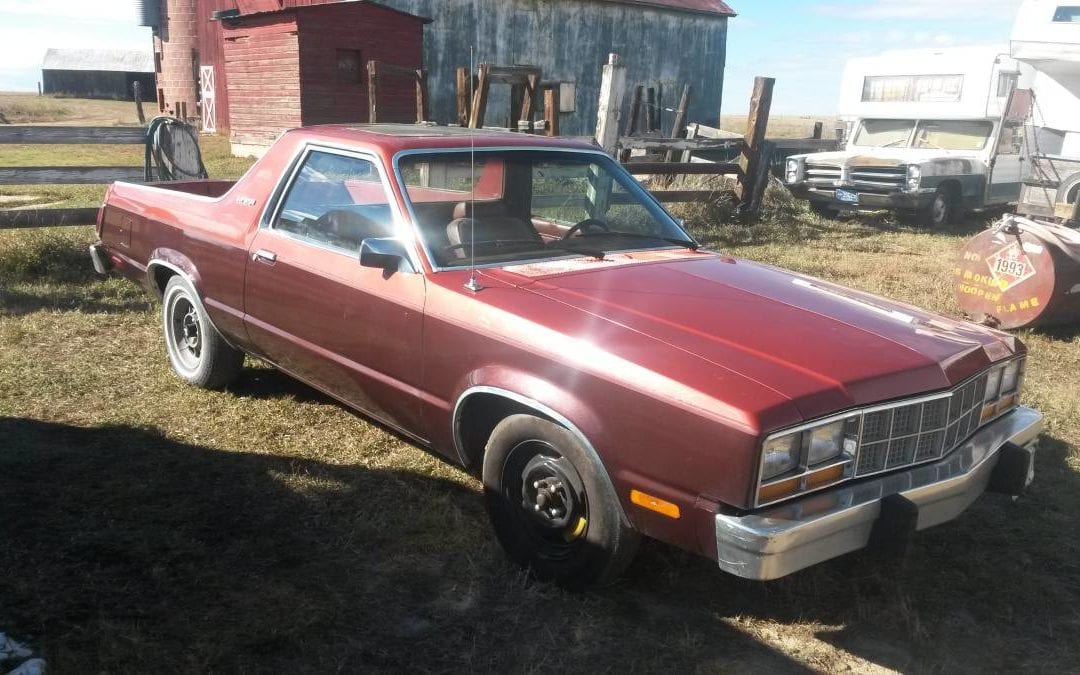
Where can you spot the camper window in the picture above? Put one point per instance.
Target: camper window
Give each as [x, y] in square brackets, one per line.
[884, 133]
[1067, 14]
[953, 134]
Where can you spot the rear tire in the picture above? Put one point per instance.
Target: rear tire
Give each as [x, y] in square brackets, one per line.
[197, 352]
[552, 507]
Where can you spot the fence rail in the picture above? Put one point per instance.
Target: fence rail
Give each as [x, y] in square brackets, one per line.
[64, 175]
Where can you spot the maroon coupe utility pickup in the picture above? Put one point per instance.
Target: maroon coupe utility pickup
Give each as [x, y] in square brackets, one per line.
[520, 305]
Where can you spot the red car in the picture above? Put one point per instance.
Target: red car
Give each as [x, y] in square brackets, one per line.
[520, 305]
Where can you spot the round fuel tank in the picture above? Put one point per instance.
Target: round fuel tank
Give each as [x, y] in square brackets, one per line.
[1020, 273]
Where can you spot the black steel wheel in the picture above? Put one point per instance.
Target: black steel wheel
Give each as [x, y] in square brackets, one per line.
[197, 352]
[552, 506]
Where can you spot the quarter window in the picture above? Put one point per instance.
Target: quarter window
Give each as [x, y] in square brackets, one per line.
[336, 201]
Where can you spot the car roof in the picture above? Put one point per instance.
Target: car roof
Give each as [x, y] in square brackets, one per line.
[393, 138]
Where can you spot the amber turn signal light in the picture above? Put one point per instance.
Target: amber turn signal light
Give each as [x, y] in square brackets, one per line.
[661, 506]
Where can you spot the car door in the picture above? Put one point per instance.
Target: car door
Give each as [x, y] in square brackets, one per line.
[313, 310]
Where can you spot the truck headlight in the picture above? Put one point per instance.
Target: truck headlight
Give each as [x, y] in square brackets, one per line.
[914, 178]
[791, 173]
[824, 443]
[780, 455]
[1009, 377]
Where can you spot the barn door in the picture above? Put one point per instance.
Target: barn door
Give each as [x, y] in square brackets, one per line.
[206, 93]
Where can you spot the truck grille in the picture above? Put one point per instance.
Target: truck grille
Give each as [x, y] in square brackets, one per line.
[887, 178]
[908, 433]
[822, 174]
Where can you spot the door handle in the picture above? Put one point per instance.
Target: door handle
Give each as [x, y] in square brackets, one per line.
[264, 256]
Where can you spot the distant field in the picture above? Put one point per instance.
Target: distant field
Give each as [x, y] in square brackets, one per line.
[784, 126]
[146, 526]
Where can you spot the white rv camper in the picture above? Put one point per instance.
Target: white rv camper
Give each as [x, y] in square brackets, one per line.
[925, 135]
[1046, 38]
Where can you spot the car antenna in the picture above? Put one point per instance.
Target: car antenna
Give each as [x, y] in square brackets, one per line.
[472, 284]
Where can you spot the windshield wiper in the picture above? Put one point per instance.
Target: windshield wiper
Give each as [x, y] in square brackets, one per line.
[583, 250]
[692, 245]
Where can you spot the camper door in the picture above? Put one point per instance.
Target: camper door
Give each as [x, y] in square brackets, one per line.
[1006, 165]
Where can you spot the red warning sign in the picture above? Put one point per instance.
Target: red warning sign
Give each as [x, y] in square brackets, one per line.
[1010, 266]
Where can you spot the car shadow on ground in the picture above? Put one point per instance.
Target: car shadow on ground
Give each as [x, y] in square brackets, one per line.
[129, 551]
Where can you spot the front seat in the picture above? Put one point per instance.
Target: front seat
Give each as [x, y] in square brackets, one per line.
[487, 221]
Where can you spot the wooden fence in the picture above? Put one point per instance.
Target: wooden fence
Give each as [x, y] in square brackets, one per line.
[64, 175]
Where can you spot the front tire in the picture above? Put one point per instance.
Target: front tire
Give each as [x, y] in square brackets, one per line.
[552, 507]
[197, 352]
[941, 210]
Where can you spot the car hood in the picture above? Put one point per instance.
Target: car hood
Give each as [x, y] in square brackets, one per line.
[885, 157]
[822, 346]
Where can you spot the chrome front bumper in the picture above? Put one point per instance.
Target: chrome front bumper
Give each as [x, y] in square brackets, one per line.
[782, 539]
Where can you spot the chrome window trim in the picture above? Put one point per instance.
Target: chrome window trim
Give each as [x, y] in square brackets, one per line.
[801, 470]
[276, 203]
[635, 188]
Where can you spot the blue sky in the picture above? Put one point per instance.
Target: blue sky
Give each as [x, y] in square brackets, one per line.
[802, 44]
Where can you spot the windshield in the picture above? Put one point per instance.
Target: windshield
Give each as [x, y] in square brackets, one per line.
[511, 206]
[929, 134]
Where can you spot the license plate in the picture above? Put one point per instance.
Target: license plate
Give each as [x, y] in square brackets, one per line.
[847, 196]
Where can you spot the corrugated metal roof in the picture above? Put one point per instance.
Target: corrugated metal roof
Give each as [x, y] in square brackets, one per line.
[99, 59]
[702, 6]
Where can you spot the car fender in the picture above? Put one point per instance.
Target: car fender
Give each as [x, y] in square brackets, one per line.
[177, 262]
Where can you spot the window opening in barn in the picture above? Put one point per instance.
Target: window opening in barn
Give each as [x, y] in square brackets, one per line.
[1067, 14]
[913, 88]
[348, 66]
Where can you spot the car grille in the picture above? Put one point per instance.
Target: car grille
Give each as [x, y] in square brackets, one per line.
[912, 432]
[886, 178]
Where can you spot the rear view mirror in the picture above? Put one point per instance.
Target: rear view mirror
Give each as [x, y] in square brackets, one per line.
[385, 253]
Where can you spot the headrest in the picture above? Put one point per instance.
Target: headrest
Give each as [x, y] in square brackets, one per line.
[479, 209]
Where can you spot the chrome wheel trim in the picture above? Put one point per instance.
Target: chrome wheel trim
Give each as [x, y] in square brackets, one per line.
[183, 332]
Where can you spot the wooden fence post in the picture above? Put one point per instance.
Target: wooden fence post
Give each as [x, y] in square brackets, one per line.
[754, 143]
[650, 109]
[551, 108]
[464, 101]
[480, 96]
[136, 91]
[819, 127]
[372, 91]
[421, 96]
[677, 130]
[612, 88]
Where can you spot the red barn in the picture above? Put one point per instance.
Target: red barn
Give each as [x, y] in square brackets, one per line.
[264, 66]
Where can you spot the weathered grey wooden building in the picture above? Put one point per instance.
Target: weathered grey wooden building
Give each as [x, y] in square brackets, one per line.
[97, 73]
[663, 43]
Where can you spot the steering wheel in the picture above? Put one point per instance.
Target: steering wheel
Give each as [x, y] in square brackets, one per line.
[584, 225]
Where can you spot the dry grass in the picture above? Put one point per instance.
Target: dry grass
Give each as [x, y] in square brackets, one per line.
[149, 526]
[29, 108]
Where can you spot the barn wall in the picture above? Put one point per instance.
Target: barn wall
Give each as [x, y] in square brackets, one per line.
[570, 40]
[262, 63]
[378, 34]
[97, 84]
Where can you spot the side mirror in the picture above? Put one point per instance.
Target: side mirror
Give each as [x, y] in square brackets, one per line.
[385, 253]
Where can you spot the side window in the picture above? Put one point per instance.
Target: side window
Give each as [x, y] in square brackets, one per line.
[337, 201]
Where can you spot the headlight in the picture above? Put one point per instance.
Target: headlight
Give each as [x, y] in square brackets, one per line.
[780, 455]
[792, 171]
[1009, 377]
[993, 384]
[914, 177]
[825, 443]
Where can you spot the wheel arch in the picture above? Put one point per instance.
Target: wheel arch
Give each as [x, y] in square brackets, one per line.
[166, 263]
[480, 408]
